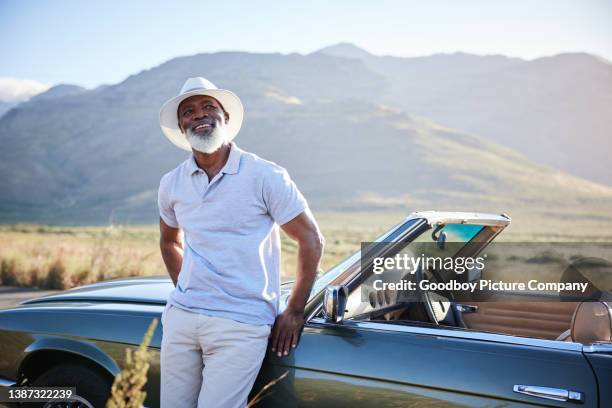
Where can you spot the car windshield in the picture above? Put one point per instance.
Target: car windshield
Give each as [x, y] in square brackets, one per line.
[432, 245]
[457, 233]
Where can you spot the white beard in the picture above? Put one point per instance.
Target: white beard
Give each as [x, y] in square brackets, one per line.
[209, 143]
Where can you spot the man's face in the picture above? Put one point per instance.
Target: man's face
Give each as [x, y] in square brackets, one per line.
[203, 120]
[201, 114]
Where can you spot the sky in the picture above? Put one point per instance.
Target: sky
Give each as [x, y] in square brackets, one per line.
[89, 43]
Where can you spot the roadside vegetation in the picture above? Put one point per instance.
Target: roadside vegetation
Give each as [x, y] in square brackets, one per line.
[59, 257]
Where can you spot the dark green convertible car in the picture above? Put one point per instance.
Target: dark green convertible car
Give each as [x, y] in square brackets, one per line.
[358, 347]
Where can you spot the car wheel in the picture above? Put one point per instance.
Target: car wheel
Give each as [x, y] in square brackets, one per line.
[91, 385]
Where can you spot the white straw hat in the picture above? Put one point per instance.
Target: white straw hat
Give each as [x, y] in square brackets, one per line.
[168, 118]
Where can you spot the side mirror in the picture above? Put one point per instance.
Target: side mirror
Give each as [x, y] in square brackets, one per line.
[441, 241]
[334, 303]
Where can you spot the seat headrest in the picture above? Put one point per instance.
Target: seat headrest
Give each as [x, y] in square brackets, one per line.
[592, 322]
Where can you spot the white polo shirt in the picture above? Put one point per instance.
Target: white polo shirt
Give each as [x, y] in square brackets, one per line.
[231, 260]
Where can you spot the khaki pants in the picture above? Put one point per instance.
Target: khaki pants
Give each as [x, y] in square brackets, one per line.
[208, 362]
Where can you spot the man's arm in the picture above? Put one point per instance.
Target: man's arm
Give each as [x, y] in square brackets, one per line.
[288, 325]
[171, 245]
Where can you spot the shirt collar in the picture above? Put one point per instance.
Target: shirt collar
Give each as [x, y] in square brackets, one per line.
[231, 166]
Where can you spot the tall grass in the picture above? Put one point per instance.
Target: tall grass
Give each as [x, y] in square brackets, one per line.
[65, 257]
[61, 258]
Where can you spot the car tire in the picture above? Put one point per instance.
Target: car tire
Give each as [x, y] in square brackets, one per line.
[91, 384]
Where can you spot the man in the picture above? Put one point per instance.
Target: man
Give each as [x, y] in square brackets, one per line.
[226, 271]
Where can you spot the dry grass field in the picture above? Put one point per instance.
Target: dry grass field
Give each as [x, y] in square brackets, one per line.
[58, 257]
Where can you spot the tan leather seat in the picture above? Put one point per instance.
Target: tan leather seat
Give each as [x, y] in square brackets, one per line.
[592, 322]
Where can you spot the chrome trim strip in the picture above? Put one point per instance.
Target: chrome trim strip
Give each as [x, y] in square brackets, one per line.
[411, 229]
[602, 348]
[454, 217]
[459, 334]
[6, 383]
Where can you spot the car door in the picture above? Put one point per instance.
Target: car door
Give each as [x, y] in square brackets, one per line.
[365, 363]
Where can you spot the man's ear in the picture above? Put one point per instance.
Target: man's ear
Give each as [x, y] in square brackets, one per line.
[227, 117]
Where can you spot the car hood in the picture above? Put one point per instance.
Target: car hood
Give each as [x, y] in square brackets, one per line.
[147, 290]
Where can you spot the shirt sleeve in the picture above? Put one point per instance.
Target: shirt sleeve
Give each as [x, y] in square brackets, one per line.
[283, 199]
[166, 210]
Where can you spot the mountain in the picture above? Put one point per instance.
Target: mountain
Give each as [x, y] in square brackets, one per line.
[5, 106]
[54, 92]
[346, 50]
[58, 91]
[98, 154]
[555, 110]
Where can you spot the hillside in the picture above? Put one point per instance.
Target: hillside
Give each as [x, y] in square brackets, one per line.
[556, 110]
[92, 156]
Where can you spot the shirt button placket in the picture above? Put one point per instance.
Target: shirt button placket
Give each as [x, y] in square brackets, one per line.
[203, 181]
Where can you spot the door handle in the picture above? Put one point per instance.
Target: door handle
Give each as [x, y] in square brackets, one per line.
[557, 394]
[466, 308]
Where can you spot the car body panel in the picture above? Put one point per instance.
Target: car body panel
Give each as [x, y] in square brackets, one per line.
[423, 369]
[600, 358]
[151, 290]
[85, 349]
[97, 332]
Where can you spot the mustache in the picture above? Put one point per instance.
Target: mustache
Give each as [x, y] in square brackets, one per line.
[211, 122]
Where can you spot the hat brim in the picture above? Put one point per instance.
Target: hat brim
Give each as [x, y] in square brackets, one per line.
[168, 118]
